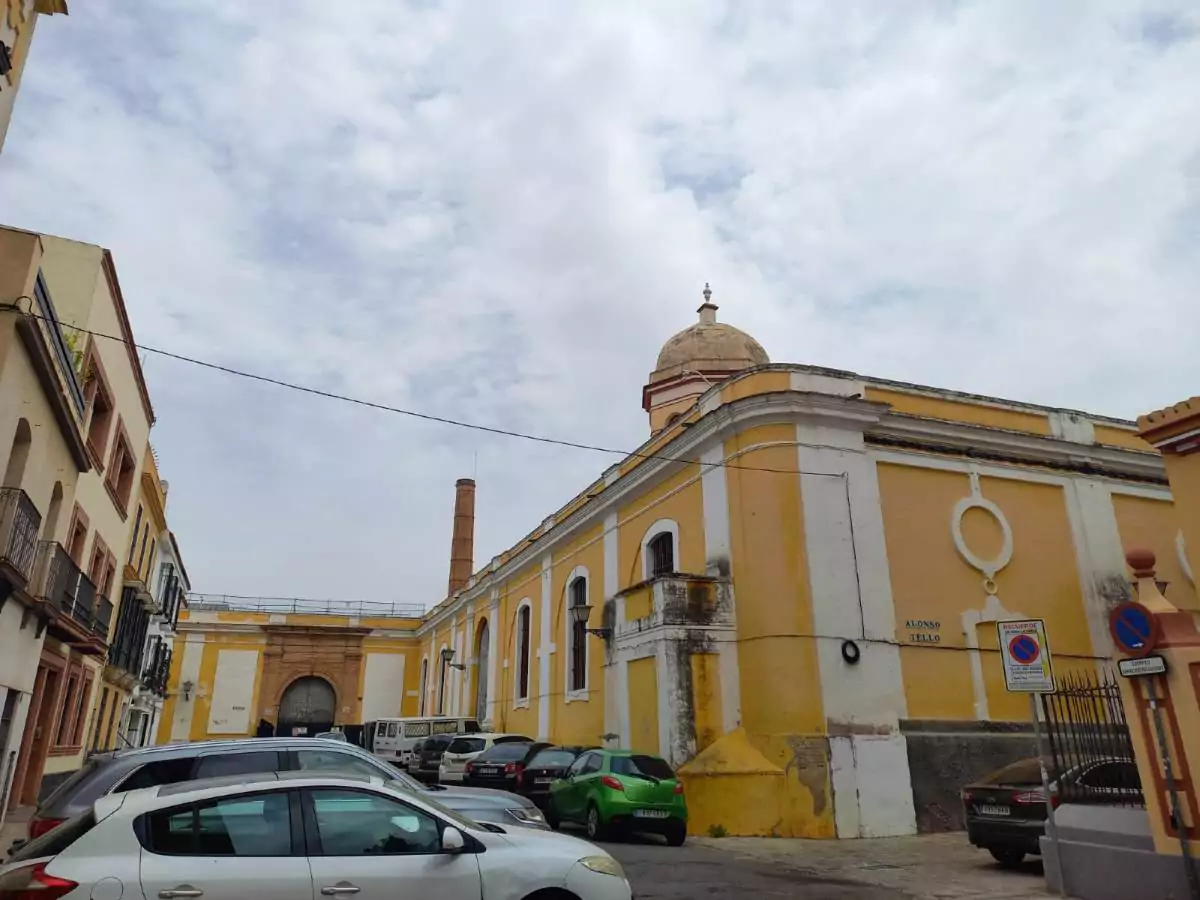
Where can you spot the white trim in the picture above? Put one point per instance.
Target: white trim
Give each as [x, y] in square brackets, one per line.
[546, 649]
[423, 686]
[616, 697]
[519, 701]
[495, 627]
[1181, 553]
[669, 526]
[573, 694]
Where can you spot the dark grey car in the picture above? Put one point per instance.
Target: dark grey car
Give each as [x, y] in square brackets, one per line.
[125, 770]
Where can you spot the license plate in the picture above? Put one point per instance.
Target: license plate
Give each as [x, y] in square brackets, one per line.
[650, 814]
[542, 780]
[487, 771]
[991, 809]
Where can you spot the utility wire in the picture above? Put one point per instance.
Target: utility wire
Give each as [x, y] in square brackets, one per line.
[428, 417]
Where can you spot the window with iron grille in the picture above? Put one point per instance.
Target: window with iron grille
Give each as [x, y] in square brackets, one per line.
[578, 595]
[662, 554]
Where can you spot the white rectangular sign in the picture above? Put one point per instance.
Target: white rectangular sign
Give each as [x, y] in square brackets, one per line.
[1147, 665]
[1026, 655]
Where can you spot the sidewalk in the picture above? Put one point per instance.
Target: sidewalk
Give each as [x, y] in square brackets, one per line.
[927, 867]
[15, 828]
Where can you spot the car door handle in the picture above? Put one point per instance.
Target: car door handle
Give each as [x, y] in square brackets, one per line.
[184, 890]
[340, 888]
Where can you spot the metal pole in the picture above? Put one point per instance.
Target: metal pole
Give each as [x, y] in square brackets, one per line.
[1051, 828]
[1169, 771]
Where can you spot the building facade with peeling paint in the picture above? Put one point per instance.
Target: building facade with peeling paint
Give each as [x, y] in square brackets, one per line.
[790, 590]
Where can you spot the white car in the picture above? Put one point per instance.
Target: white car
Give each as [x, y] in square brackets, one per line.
[295, 836]
[464, 748]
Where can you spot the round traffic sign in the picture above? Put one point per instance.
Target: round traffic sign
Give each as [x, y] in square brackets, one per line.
[1135, 629]
[1024, 649]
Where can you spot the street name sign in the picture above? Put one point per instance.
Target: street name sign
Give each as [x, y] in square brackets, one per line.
[1025, 652]
[1142, 666]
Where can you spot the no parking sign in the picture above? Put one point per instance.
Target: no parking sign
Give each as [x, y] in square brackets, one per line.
[1026, 655]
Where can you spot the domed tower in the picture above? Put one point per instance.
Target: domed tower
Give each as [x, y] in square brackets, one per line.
[693, 361]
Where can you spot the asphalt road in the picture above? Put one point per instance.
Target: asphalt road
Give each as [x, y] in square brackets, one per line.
[690, 872]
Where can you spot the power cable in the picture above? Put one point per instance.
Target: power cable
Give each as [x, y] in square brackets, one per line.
[383, 407]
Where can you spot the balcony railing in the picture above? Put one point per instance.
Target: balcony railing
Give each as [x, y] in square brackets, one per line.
[282, 605]
[19, 524]
[68, 592]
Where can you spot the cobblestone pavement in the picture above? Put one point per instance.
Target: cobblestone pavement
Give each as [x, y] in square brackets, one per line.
[693, 872]
[925, 867]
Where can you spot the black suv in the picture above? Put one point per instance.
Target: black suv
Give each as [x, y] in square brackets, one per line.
[430, 760]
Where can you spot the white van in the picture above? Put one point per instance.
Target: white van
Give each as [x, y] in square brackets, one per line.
[393, 739]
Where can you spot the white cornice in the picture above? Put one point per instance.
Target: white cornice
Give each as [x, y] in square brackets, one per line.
[1033, 449]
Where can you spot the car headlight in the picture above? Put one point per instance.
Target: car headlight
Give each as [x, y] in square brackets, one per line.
[605, 865]
[530, 814]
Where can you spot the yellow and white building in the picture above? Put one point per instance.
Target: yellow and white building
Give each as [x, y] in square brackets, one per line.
[790, 591]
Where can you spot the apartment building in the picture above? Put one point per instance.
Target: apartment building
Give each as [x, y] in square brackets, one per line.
[18, 19]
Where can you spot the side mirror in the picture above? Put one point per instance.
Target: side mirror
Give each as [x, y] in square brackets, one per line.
[453, 840]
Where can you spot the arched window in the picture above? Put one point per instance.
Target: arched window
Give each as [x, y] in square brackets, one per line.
[673, 418]
[441, 704]
[424, 684]
[482, 650]
[577, 595]
[662, 554]
[524, 624]
[18, 456]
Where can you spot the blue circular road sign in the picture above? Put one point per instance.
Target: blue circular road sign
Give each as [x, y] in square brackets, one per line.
[1134, 628]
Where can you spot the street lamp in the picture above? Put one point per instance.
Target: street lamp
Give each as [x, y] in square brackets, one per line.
[447, 656]
[580, 615]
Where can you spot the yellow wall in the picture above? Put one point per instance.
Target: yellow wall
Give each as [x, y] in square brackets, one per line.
[758, 383]
[643, 705]
[775, 620]
[961, 411]
[1112, 436]
[1154, 525]
[931, 582]
[580, 721]
[680, 498]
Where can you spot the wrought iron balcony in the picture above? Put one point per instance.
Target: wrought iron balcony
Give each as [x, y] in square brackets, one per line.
[19, 524]
[70, 597]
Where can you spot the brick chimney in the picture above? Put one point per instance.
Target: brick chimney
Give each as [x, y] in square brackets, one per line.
[462, 547]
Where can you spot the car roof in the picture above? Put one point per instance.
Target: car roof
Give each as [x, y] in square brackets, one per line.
[194, 748]
[135, 802]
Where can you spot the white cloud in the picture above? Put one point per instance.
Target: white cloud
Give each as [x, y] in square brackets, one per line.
[498, 212]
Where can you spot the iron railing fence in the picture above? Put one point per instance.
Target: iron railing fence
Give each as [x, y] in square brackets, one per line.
[1090, 747]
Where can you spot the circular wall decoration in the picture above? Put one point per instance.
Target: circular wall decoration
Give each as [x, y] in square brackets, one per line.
[989, 567]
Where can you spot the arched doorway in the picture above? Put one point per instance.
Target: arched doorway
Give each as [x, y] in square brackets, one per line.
[481, 672]
[14, 472]
[307, 707]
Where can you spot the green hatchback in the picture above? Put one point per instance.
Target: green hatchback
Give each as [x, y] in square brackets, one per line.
[607, 790]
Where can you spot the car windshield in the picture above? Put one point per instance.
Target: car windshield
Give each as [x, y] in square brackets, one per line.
[466, 745]
[1025, 771]
[504, 753]
[638, 766]
[552, 759]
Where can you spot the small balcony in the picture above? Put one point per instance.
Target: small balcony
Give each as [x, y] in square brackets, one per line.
[19, 525]
[69, 602]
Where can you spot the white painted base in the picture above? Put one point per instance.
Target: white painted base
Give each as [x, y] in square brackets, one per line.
[872, 790]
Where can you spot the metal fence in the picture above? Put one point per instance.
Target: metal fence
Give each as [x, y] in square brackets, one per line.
[1092, 753]
[282, 605]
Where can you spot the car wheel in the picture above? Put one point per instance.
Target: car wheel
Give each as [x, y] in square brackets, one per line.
[1008, 857]
[676, 834]
[594, 824]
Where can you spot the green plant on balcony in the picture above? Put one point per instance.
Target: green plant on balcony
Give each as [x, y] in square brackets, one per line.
[71, 339]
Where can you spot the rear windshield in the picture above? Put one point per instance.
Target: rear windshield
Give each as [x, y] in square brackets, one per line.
[68, 787]
[471, 727]
[466, 745]
[553, 759]
[505, 752]
[1025, 771]
[56, 840]
[438, 742]
[643, 766]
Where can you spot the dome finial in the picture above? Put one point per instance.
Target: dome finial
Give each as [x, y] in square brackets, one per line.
[708, 309]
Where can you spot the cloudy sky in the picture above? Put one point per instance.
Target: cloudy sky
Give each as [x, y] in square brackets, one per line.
[498, 212]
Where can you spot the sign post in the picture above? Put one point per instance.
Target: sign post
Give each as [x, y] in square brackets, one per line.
[1028, 669]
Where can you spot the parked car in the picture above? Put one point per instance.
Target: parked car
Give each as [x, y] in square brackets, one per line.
[239, 837]
[461, 750]
[1006, 811]
[542, 769]
[126, 770]
[502, 765]
[425, 767]
[608, 790]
